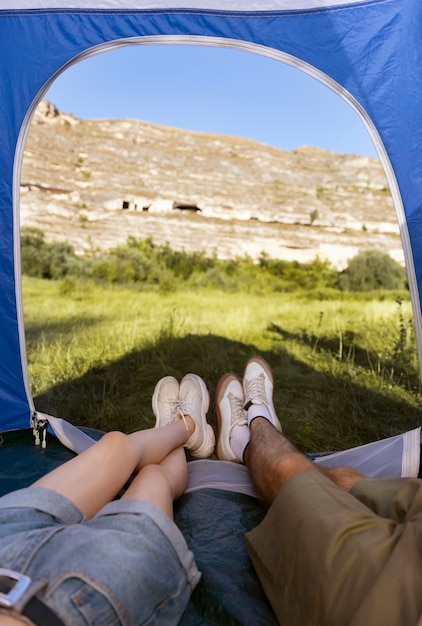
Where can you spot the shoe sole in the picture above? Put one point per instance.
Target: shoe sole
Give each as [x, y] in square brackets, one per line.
[156, 393]
[222, 453]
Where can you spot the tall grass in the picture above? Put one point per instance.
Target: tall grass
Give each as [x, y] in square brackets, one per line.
[345, 369]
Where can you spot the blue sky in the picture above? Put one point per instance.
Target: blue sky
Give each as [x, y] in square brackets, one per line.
[216, 90]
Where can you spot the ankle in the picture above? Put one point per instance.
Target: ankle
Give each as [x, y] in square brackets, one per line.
[189, 425]
[255, 411]
[258, 422]
[185, 426]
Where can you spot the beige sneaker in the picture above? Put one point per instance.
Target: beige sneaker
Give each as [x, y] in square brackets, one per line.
[229, 405]
[194, 401]
[258, 386]
[165, 401]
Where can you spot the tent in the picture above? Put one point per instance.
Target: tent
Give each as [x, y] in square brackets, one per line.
[367, 51]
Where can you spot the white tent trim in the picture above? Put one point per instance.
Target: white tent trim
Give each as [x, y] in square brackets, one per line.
[216, 5]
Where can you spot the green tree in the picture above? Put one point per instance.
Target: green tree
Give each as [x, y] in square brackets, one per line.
[370, 270]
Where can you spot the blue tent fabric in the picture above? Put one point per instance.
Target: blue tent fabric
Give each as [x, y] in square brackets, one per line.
[368, 51]
[22, 462]
[214, 523]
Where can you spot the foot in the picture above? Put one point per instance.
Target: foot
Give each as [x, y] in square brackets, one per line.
[194, 401]
[230, 414]
[165, 401]
[258, 390]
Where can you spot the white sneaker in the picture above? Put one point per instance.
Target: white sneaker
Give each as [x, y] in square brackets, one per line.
[194, 401]
[258, 386]
[230, 413]
[165, 401]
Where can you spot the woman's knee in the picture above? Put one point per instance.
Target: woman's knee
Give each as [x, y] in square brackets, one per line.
[115, 442]
[154, 472]
[161, 477]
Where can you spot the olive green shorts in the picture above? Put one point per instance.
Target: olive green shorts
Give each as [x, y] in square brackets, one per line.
[330, 558]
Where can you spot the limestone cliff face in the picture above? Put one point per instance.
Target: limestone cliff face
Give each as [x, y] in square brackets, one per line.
[95, 182]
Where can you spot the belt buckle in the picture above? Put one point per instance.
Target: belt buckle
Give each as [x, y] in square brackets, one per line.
[21, 584]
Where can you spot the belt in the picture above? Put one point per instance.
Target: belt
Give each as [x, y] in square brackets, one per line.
[12, 589]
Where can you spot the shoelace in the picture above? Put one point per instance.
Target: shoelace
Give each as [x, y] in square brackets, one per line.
[181, 408]
[238, 417]
[255, 390]
[170, 404]
[175, 408]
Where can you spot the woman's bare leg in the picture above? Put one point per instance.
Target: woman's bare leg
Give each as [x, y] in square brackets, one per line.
[161, 484]
[93, 478]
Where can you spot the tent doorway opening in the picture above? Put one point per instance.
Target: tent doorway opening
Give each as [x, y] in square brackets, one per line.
[187, 192]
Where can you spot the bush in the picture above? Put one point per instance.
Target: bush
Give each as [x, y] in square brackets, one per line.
[316, 274]
[371, 270]
[34, 258]
[47, 260]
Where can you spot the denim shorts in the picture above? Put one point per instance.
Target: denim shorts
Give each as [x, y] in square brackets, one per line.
[128, 565]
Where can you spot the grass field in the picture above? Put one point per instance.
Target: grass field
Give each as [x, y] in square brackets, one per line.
[345, 369]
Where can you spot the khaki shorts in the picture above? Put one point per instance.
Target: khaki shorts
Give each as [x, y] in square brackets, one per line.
[329, 558]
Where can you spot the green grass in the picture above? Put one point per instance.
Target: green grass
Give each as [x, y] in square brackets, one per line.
[345, 369]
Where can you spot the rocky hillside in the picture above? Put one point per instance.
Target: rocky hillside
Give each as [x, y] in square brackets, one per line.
[95, 182]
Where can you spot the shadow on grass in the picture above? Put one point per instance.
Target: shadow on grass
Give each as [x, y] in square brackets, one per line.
[35, 331]
[318, 411]
[351, 353]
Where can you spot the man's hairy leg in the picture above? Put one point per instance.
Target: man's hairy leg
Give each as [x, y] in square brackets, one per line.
[273, 460]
